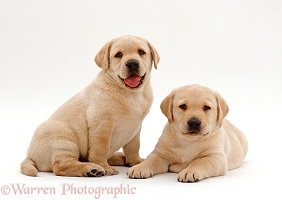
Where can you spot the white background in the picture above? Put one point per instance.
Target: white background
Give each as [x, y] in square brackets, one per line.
[234, 47]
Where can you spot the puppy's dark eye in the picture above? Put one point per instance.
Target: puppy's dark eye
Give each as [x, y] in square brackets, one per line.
[118, 55]
[206, 107]
[183, 106]
[141, 52]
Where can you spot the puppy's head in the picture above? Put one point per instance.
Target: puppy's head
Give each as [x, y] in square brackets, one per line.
[128, 60]
[194, 110]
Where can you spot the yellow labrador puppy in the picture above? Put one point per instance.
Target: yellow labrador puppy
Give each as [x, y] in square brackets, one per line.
[82, 136]
[197, 142]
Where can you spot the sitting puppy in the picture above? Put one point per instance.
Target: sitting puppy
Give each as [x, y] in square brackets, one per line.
[82, 136]
[197, 142]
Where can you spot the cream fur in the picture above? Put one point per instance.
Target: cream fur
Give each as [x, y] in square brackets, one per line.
[106, 116]
[217, 147]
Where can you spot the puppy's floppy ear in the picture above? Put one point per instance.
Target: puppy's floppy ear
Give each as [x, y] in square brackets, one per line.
[167, 106]
[154, 54]
[222, 108]
[102, 58]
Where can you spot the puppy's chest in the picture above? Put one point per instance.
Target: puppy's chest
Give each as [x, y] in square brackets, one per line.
[129, 121]
[137, 105]
[186, 154]
[125, 129]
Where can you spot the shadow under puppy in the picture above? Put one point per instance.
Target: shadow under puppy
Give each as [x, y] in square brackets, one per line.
[197, 142]
[82, 136]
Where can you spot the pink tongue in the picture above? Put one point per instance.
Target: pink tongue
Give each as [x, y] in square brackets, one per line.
[133, 80]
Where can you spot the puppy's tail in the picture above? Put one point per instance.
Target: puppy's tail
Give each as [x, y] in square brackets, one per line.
[28, 167]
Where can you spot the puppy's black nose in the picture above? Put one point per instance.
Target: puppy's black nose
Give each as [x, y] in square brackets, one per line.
[194, 123]
[132, 65]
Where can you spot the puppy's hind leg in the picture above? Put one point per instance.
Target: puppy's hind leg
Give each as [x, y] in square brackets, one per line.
[66, 163]
[72, 167]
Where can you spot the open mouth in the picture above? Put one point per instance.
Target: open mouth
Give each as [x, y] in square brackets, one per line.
[134, 80]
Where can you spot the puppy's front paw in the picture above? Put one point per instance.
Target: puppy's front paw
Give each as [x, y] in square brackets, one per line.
[187, 176]
[134, 162]
[111, 170]
[139, 171]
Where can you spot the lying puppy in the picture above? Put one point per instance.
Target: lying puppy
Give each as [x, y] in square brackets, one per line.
[197, 142]
[82, 136]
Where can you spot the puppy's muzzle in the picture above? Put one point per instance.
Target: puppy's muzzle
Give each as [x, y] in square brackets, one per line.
[133, 80]
[132, 65]
[194, 125]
